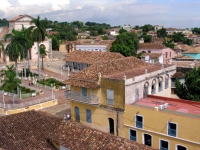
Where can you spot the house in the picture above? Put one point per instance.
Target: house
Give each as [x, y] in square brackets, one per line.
[79, 60]
[163, 123]
[170, 31]
[126, 27]
[100, 92]
[17, 23]
[193, 52]
[167, 52]
[152, 57]
[39, 130]
[180, 48]
[177, 76]
[157, 27]
[97, 48]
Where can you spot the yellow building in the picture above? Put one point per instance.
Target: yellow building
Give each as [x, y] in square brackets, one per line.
[163, 123]
[99, 93]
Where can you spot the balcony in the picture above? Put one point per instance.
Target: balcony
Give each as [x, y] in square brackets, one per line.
[172, 132]
[75, 96]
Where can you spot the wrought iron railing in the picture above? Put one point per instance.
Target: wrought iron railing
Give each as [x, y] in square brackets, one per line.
[75, 96]
[139, 124]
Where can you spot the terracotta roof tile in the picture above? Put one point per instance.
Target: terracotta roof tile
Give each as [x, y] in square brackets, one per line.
[91, 57]
[152, 55]
[187, 64]
[38, 130]
[178, 75]
[183, 47]
[19, 17]
[193, 50]
[76, 136]
[130, 66]
[27, 130]
[152, 46]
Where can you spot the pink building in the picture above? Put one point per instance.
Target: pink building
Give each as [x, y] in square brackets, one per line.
[167, 52]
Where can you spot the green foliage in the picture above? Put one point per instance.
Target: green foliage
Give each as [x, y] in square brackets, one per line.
[51, 81]
[104, 37]
[147, 27]
[136, 27]
[88, 37]
[55, 43]
[3, 23]
[93, 33]
[191, 88]
[169, 43]
[126, 43]
[147, 38]
[196, 30]
[161, 33]
[122, 31]
[180, 37]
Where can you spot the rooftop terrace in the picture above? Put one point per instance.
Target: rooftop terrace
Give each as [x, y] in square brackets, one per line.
[175, 106]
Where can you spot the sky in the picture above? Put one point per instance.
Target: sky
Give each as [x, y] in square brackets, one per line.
[169, 13]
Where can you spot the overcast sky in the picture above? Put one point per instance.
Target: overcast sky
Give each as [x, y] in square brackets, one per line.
[169, 13]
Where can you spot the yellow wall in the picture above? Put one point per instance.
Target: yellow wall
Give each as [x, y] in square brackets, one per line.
[155, 124]
[95, 92]
[62, 48]
[119, 92]
[99, 117]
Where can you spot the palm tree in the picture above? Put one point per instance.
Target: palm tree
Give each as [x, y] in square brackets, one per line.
[43, 53]
[27, 33]
[2, 50]
[38, 36]
[16, 49]
[10, 82]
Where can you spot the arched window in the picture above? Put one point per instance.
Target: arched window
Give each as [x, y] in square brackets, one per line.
[180, 147]
[77, 113]
[145, 91]
[147, 139]
[111, 125]
[153, 87]
[166, 81]
[160, 84]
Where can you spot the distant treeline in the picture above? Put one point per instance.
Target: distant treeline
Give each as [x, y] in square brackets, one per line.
[3, 22]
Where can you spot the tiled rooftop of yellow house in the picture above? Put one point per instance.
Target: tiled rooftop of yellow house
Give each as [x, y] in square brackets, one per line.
[91, 57]
[129, 66]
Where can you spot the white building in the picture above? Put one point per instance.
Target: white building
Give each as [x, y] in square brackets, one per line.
[92, 48]
[17, 23]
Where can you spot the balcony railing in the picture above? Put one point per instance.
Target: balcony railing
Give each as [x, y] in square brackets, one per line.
[75, 96]
[133, 138]
[138, 124]
[172, 132]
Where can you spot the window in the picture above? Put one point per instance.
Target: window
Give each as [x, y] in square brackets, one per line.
[147, 140]
[84, 91]
[88, 116]
[164, 145]
[77, 113]
[111, 126]
[160, 84]
[139, 121]
[133, 135]
[179, 147]
[170, 54]
[166, 54]
[153, 87]
[110, 96]
[172, 128]
[149, 51]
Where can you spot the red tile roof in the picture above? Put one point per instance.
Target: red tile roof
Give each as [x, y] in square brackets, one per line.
[193, 50]
[129, 66]
[38, 130]
[183, 47]
[152, 46]
[178, 75]
[19, 17]
[88, 57]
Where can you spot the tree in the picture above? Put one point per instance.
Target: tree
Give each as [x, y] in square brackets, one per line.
[162, 33]
[55, 43]
[191, 88]
[169, 43]
[196, 30]
[147, 27]
[126, 43]
[16, 49]
[147, 38]
[43, 53]
[38, 36]
[10, 82]
[104, 37]
[122, 31]
[180, 37]
[136, 27]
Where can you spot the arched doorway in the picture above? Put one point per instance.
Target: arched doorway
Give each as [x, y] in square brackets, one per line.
[147, 139]
[145, 91]
[111, 125]
[160, 84]
[77, 113]
[166, 81]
